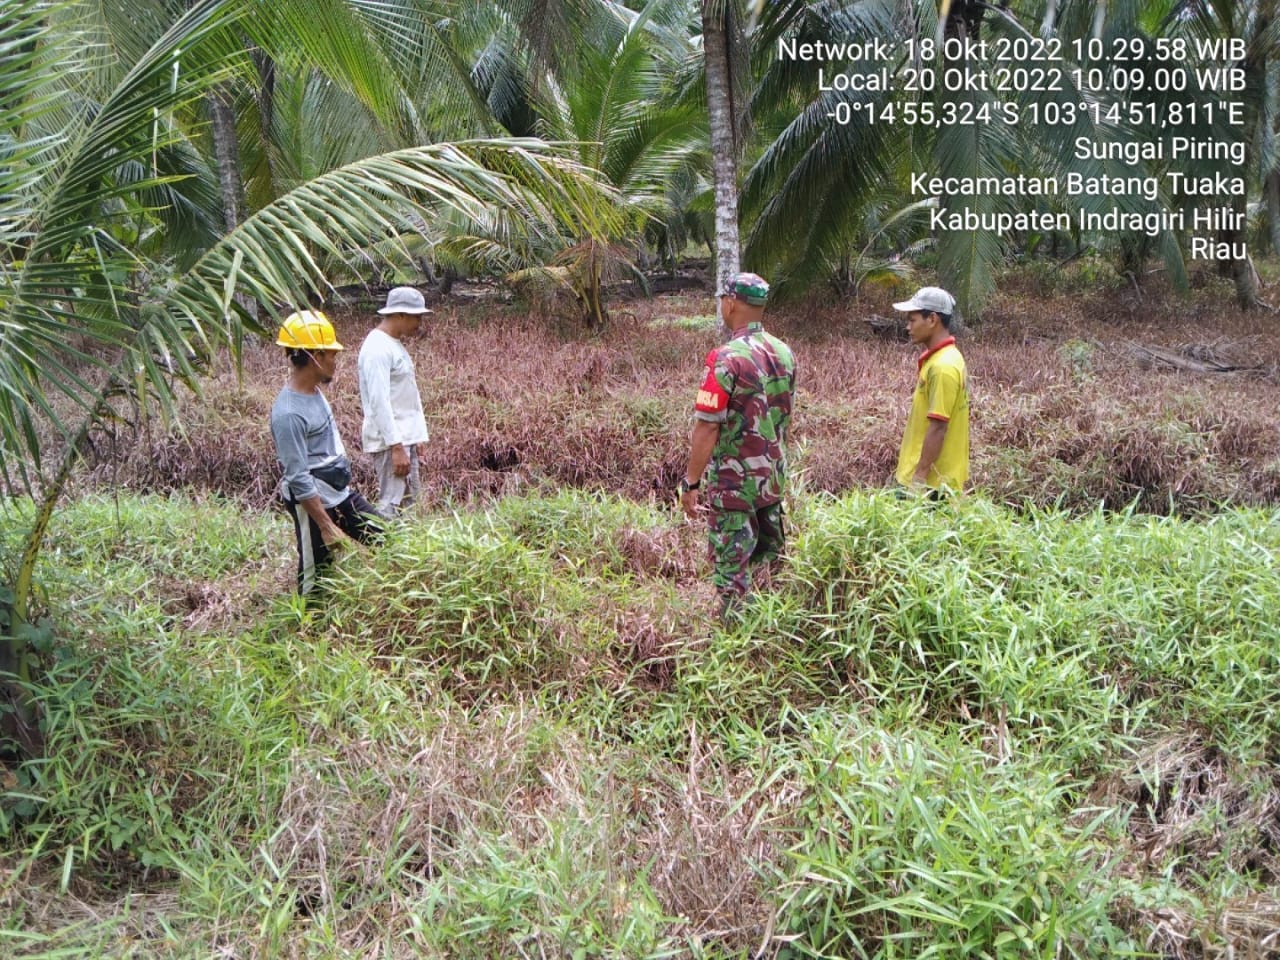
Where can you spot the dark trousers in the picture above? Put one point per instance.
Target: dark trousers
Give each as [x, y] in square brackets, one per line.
[354, 516]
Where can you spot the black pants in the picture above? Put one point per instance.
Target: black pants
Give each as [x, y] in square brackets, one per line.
[354, 516]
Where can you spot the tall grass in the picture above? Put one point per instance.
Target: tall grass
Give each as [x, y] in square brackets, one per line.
[914, 845]
[1069, 626]
[949, 730]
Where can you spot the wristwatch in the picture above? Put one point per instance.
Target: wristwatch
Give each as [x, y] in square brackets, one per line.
[686, 486]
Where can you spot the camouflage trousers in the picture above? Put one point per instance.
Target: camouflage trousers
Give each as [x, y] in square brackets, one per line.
[739, 539]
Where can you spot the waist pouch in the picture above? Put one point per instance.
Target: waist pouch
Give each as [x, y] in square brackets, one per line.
[336, 473]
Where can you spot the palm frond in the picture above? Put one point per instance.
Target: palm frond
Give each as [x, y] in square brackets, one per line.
[371, 203]
[75, 178]
[966, 258]
[822, 168]
[351, 43]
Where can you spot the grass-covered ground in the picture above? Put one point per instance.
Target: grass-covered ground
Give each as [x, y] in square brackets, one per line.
[1042, 722]
[515, 731]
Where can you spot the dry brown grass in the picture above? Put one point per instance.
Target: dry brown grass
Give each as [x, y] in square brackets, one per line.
[360, 837]
[233, 601]
[1190, 807]
[143, 917]
[703, 835]
[1061, 409]
[1248, 928]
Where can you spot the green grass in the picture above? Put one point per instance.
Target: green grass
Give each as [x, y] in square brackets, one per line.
[700, 322]
[950, 730]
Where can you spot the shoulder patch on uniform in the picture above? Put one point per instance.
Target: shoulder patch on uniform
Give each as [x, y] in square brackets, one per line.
[712, 397]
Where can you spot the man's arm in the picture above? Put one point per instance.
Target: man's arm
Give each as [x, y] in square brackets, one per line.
[375, 395]
[292, 450]
[330, 532]
[701, 445]
[934, 435]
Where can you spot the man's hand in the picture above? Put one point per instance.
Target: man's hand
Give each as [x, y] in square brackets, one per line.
[330, 533]
[399, 460]
[689, 504]
[333, 536]
[342, 544]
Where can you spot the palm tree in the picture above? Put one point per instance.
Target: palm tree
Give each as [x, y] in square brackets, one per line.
[831, 158]
[606, 92]
[826, 162]
[723, 49]
[612, 100]
[1256, 23]
[110, 283]
[726, 56]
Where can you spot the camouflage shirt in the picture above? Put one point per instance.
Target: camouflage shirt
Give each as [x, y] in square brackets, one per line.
[747, 390]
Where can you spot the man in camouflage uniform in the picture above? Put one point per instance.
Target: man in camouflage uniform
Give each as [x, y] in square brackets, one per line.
[740, 428]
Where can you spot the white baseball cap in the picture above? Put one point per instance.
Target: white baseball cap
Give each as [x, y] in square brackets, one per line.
[929, 299]
[405, 300]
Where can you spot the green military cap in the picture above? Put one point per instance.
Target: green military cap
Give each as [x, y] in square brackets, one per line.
[750, 287]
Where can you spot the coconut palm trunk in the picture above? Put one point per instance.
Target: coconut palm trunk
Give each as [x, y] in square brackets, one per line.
[716, 40]
[226, 149]
[1272, 193]
[20, 722]
[227, 155]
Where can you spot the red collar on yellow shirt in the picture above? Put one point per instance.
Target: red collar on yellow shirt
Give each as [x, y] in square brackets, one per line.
[949, 342]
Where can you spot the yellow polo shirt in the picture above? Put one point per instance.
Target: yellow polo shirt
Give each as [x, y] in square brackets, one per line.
[942, 393]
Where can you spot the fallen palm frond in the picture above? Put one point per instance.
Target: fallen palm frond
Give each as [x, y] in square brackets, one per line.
[1193, 358]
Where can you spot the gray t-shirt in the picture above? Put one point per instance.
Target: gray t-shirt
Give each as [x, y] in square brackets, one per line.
[306, 436]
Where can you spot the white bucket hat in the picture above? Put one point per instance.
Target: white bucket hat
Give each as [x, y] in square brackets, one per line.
[405, 300]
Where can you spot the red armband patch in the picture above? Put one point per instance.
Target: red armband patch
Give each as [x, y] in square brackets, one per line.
[711, 396]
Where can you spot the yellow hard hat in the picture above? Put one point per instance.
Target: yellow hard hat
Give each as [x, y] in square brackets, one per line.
[310, 330]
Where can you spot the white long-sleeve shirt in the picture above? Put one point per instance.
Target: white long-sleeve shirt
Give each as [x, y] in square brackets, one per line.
[389, 395]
